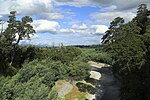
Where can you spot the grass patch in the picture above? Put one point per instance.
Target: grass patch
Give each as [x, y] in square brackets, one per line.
[75, 94]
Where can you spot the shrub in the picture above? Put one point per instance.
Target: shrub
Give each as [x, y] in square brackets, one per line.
[33, 81]
[102, 57]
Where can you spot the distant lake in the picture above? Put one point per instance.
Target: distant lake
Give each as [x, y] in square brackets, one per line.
[47, 39]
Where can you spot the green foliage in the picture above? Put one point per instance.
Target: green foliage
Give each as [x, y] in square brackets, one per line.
[112, 32]
[75, 69]
[141, 17]
[31, 90]
[102, 57]
[130, 54]
[45, 68]
[10, 53]
[16, 27]
[62, 54]
[33, 81]
[53, 95]
[36, 78]
[98, 56]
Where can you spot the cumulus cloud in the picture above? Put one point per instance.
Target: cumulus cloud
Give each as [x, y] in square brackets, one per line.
[41, 8]
[129, 4]
[66, 31]
[110, 8]
[99, 28]
[85, 29]
[121, 8]
[42, 26]
[107, 17]
[82, 2]
[120, 4]
[35, 42]
[46, 9]
[79, 27]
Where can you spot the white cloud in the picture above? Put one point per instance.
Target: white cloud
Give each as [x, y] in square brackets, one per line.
[99, 28]
[79, 27]
[82, 2]
[107, 17]
[3, 25]
[120, 4]
[53, 16]
[85, 29]
[122, 8]
[35, 42]
[33, 36]
[110, 8]
[66, 31]
[129, 4]
[42, 26]
[41, 8]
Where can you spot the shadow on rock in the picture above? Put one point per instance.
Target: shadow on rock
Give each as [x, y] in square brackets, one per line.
[86, 88]
[93, 81]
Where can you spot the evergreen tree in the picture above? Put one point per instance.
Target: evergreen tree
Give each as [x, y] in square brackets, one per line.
[130, 51]
[141, 17]
[10, 38]
[112, 32]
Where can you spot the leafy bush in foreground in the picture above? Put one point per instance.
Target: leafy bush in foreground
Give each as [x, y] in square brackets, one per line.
[35, 80]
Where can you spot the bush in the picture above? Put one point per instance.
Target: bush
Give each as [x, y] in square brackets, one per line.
[76, 68]
[36, 78]
[33, 81]
[102, 57]
[62, 54]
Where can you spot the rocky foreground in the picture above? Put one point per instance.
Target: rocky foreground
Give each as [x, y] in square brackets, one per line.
[101, 85]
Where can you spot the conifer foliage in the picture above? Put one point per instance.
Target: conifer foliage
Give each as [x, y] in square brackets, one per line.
[9, 40]
[131, 51]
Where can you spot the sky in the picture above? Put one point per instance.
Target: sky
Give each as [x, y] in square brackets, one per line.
[71, 22]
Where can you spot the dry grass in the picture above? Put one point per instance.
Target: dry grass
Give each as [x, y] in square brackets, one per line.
[75, 94]
[59, 84]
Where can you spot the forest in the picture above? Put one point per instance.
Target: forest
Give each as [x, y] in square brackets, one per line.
[30, 72]
[129, 45]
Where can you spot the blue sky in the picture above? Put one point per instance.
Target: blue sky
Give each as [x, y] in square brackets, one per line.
[71, 22]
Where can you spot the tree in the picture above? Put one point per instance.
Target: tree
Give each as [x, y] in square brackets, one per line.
[11, 36]
[130, 51]
[141, 17]
[15, 28]
[21, 29]
[111, 33]
[127, 50]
